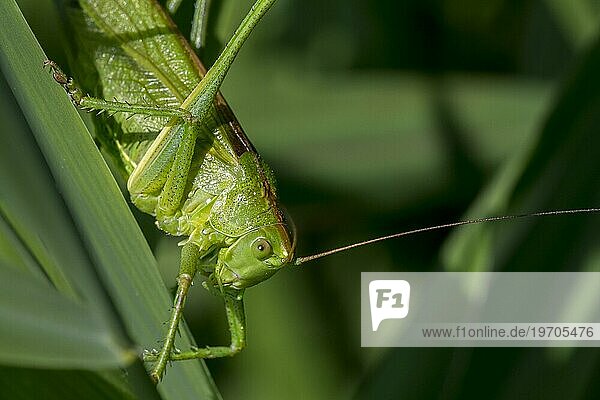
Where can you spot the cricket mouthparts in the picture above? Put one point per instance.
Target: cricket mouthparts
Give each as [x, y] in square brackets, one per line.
[302, 260]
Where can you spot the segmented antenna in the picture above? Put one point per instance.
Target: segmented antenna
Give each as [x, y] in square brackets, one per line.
[302, 260]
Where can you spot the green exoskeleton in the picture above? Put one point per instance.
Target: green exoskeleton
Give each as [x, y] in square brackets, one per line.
[187, 160]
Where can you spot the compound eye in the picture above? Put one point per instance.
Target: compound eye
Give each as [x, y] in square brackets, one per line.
[261, 248]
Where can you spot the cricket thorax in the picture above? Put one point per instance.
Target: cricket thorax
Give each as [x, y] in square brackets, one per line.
[223, 201]
[250, 202]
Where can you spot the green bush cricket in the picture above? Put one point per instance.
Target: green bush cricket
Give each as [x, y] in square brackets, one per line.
[200, 177]
[188, 161]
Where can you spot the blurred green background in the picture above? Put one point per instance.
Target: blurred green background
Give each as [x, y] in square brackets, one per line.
[385, 116]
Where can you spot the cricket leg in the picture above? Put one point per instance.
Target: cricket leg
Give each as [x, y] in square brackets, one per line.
[174, 188]
[236, 321]
[89, 103]
[168, 203]
[189, 257]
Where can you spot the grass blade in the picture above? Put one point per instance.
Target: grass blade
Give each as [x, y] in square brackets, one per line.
[113, 240]
[46, 329]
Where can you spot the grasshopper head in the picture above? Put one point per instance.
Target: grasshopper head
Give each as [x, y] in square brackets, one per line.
[256, 256]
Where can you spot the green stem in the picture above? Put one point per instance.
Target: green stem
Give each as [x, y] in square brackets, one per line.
[200, 23]
[173, 5]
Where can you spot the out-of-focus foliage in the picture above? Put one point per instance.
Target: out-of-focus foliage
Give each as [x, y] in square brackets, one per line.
[388, 115]
[80, 288]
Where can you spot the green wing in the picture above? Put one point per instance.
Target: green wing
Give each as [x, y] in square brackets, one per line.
[149, 38]
[132, 52]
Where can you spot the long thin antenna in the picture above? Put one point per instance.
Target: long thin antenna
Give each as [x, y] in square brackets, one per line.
[301, 260]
